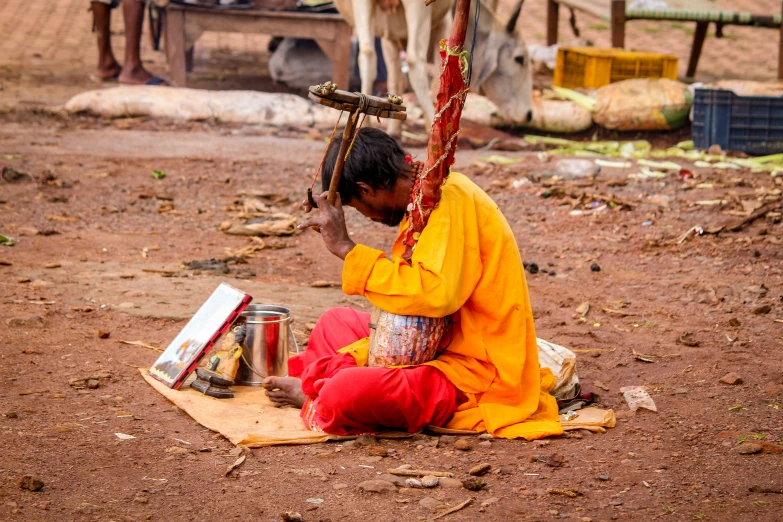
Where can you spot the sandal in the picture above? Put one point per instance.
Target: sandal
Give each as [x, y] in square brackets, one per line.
[156, 80]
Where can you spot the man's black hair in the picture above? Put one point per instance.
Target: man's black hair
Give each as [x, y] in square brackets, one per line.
[375, 159]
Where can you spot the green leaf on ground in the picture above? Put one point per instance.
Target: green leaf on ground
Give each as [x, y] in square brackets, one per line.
[158, 174]
[753, 436]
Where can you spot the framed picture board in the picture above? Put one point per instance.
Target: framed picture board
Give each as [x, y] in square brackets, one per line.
[214, 317]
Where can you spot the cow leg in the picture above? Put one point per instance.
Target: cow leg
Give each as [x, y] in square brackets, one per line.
[368, 65]
[418, 18]
[391, 55]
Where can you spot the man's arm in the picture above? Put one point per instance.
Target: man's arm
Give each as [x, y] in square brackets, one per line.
[444, 271]
[442, 275]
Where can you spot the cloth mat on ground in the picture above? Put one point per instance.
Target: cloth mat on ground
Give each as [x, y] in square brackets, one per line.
[249, 419]
[591, 418]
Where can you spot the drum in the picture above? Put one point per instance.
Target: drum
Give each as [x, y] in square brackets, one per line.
[404, 340]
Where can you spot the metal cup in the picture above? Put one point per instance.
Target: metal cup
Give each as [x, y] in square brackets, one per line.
[268, 335]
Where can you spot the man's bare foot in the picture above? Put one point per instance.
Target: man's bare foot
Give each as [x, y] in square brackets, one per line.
[136, 76]
[107, 72]
[284, 391]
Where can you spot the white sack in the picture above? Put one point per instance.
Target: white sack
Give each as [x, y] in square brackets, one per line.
[300, 63]
[195, 105]
[562, 362]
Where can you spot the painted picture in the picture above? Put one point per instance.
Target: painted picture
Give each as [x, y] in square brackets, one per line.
[183, 354]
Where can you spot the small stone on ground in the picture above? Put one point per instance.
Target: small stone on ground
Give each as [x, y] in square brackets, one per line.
[763, 309]
[429, 481]
[750, 448]
[731, 378]
[31, 483]
[33, 320]
[377, 486]
[474, 484]
[366, 440]
[413, 483]
[450, 483]
[480, 469]
[412, 492]
[430, 503]
[378, 451]
[394, 479]
[463, 445]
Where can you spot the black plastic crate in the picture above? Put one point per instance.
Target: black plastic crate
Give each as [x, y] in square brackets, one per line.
[750, 124]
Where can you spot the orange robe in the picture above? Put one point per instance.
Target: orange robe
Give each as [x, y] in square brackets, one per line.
[467, 264]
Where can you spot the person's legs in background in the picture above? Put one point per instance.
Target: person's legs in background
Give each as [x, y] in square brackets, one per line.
[133, 71]
[108, 67]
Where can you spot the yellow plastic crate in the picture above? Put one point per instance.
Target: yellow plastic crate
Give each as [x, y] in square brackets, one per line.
[592, 68]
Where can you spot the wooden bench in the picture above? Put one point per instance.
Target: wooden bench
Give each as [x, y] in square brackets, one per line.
[185, 24]
[702, 12]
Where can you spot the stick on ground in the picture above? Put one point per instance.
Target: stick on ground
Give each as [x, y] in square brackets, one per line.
[142, 344]
[454, 509]
[761, 212]
[420, 473]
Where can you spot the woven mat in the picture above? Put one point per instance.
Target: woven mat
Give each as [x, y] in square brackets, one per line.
[250, 419]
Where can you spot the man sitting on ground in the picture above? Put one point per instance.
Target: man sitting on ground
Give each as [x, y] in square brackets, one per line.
[466, 265]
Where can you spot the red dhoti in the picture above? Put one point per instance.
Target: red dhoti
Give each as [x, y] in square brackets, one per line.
[344, 399]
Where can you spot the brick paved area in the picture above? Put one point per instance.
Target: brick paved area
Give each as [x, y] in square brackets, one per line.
[59, 31]
[47, 50]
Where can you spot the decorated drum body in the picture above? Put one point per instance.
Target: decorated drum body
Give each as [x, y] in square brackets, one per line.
[402, 340]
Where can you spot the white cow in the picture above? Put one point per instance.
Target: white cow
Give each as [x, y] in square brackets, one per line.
[501, 68]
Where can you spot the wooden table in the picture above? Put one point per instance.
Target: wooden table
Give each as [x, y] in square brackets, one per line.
[185, 24]
[702, 12]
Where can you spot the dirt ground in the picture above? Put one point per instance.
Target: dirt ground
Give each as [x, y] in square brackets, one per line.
[111, 231]
[100, 246]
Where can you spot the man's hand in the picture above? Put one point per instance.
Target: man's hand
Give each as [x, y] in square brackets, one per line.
[306, 203]
[330, 222]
